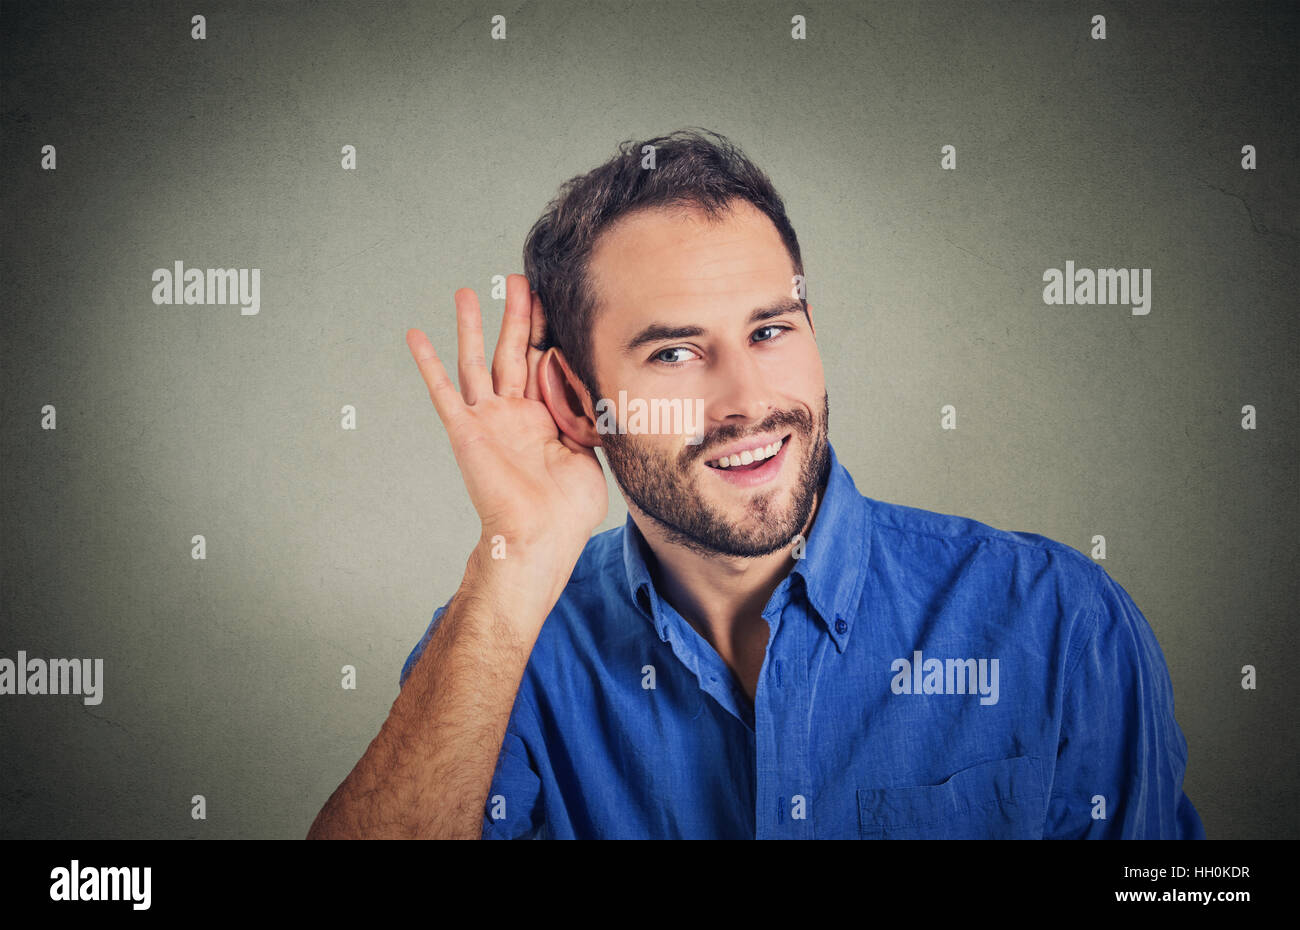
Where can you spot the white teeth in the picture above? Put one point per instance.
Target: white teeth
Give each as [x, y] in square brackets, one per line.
[749, 456]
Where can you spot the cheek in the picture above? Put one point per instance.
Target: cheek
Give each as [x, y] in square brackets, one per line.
[808, 378]
[658, 454]
[639, 383]
[798, 382]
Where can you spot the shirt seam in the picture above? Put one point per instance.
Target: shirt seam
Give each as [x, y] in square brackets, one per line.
[1048, 545]
[1073, 664]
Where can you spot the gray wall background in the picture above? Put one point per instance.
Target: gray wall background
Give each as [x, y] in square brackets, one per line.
[328, 547]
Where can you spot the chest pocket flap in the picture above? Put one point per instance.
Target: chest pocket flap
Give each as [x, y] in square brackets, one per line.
[1002, 799]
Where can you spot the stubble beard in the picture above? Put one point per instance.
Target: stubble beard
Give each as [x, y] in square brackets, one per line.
[668, 488]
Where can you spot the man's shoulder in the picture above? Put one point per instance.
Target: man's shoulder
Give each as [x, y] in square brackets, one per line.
[959, 537]
[1046, 591]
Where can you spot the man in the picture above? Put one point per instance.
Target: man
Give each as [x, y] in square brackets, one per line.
[759, 651]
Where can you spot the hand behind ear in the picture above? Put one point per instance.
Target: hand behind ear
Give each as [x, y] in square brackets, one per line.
[528, 478]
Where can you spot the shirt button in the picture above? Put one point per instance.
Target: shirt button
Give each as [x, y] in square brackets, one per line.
[840, 626]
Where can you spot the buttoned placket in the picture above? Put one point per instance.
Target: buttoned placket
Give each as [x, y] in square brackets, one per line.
[784, 789]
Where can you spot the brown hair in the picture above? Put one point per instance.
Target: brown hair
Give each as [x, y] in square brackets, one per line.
[694, 167]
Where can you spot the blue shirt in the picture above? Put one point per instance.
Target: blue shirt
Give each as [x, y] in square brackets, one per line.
[926, 676]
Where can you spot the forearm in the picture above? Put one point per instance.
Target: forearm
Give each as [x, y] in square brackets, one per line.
[428, 772]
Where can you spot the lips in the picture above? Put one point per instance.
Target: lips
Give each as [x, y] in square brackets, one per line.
[755, 473]
[747, 454]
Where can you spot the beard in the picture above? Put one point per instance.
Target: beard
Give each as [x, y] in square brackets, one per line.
[667, 487]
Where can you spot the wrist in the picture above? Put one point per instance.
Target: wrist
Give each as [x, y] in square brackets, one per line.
[518, 580]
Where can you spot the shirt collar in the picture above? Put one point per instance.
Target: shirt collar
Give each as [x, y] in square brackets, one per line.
[833, 568]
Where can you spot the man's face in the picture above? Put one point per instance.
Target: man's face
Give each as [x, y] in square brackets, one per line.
[676, 298]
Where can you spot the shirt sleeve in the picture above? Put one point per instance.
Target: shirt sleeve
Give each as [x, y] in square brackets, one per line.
[1121, 755]
[512, 809]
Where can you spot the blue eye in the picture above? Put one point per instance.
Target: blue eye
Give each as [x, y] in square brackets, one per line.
[657, 357]
[673, 349]
[775, 328]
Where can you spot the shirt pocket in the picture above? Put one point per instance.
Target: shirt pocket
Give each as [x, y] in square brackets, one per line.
[998, 800]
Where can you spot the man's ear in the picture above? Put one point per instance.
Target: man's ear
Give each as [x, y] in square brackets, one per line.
[567, 399]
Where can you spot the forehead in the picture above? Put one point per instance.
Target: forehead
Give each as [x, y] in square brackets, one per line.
[676, 263]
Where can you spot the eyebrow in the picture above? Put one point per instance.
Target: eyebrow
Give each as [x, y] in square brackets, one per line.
[658, 332]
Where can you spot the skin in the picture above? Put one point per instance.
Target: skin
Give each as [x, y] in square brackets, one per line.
[719, 550]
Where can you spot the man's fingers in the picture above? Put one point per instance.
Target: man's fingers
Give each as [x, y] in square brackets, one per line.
[536, 335]
[446, 399]
[509, 361]
[471, 359]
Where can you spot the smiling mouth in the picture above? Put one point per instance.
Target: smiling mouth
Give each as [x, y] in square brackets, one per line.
[750, 459]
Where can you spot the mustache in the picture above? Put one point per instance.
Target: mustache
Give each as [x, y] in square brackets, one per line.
[798, 419]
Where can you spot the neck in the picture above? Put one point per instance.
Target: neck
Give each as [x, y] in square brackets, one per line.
[721, 596]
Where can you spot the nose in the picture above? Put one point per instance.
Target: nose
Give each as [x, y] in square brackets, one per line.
[742, 389]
